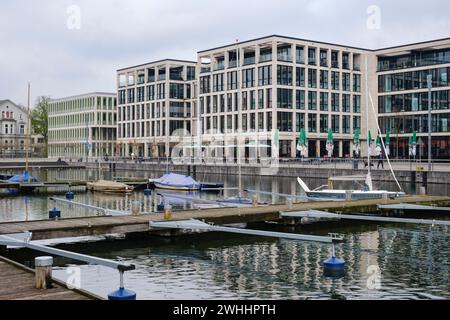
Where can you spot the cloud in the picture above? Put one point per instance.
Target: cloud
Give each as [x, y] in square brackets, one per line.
[38, 47]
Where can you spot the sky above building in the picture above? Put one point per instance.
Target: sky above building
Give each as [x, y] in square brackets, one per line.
[72, 47]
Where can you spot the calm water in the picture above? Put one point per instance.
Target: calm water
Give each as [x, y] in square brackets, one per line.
[412, 260]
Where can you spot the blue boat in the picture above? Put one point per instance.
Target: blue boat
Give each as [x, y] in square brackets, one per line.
[173, 181]
[21, 180]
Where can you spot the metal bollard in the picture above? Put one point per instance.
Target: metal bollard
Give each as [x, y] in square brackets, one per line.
[167, 212]
[348, 195]
[423, 191]
[384, 197]
[43, 272]
[136, 208]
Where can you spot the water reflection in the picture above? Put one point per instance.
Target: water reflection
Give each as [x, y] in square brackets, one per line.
[413, 263]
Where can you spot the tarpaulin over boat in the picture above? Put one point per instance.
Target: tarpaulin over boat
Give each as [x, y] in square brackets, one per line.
[25, 177]
[177, 180]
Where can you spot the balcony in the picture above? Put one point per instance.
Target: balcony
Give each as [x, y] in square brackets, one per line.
[357, 67]
[312, 61]
[323, 62]
[249, 60]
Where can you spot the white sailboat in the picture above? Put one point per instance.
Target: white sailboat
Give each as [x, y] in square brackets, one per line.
[327, 192]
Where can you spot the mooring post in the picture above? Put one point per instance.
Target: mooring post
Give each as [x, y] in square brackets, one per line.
[167, 212]
[255, 200]
[43, 272]
[348, 195]
[289, 202]
[136, 208]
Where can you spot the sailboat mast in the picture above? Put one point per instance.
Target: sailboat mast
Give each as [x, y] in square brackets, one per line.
[239, 98]
[367, 125]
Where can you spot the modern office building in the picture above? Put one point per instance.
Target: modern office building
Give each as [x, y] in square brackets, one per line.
[13, 129]
[403, 96]
[82, 126]
[246, 90]
[154, 101]
[287, 84]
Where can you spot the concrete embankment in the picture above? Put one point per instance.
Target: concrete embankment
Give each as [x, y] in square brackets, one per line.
[285, 170]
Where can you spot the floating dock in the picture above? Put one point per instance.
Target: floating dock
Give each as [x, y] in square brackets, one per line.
[128, 224]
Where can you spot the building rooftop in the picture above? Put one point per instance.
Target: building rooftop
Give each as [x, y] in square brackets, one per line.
[158, 61]
[91, 94]
[325, 43]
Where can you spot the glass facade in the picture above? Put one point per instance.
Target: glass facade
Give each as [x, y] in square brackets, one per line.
[414, 59]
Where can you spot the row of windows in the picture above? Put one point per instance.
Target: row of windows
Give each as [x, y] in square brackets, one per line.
[414, 59]
[83, 119]
[152, 92]
[284, 76]
[419, 123]
[311, 56]
[176, 74]
[313, 123]
[440, 100]
[81, 134]
[11, 129]
[413, 80]
[106, 103]
[154, 111]
[151, 128]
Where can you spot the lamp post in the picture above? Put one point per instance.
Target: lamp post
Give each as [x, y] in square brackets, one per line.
[429, 82]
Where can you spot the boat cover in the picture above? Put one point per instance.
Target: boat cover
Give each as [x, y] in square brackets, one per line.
[177, 180]
[23, 178]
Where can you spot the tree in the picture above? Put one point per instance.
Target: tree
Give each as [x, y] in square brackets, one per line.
[39, 118]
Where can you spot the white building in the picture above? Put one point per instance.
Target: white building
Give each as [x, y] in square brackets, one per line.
[82, 126]
[13, 129]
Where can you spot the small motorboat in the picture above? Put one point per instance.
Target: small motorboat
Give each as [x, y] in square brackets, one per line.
[173, 181]
[109, 186]
[325, 193]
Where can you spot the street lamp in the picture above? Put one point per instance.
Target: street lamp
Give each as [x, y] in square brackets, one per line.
[429, 82]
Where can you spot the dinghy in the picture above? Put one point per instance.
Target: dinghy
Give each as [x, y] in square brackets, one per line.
[109, 186]
[173, 181]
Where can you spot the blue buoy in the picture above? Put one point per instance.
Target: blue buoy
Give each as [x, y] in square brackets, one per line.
[147, 192]
[70, 195]
[122, 294]
[54, 214]
[160, 207]
[334, 264]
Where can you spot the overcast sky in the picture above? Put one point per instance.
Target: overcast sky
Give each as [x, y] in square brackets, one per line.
[37, 46]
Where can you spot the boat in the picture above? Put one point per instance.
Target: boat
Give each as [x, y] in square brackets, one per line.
[325, 193]
[109, 186]
[173, 181]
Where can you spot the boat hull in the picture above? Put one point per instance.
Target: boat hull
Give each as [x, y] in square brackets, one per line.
[359, 195]
[176, 188]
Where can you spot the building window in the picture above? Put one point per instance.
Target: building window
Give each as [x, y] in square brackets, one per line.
[284, 99]
[312, 122]
[205, 84]
[284, 121]
[312, 100]
[248, 78]
[323, 123]
[345, 103]
[323, 79]
[346, 124]
[335, 59]
[323, 58]
[356, 104]
[190, 73]
[232, 80]
[312, 56]
[284, 53]
[357, 83]
[299, 121]
[324, 101]
[346, 81]
[335, 119]
[218, 82]
[300, 77]
[335, 102]
[300, 99]
[265, 76]
[312, 78]
[284, 75]
[300, 55]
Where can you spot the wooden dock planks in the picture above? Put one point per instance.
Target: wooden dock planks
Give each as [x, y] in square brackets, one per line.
[17, 283]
